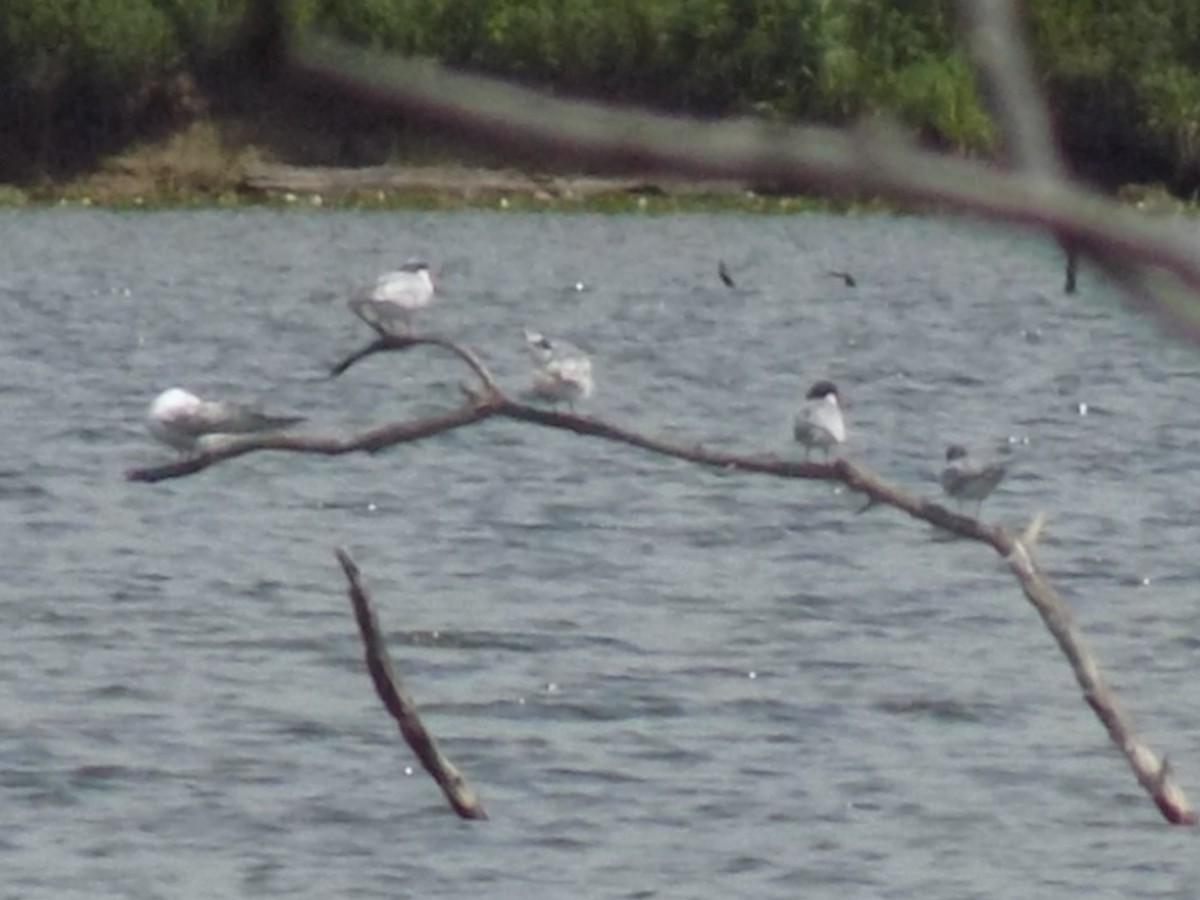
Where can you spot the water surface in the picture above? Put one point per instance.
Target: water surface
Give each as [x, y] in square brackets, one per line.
[663, 681]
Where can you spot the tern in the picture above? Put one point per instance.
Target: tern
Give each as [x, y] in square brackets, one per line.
[394, 298]
[563, 373]
[964, 479]
[820, 422]
[182, 420]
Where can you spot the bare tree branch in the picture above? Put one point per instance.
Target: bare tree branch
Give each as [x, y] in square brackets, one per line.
[400, 703]
[1150, 771]
[371, 441]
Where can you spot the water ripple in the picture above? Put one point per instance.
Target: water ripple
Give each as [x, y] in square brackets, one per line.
[663, 681]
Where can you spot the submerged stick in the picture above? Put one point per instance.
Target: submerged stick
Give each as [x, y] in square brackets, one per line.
[400, 703]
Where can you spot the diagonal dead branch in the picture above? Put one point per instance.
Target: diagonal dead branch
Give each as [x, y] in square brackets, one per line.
[1151, 771]
[1006, 72]
[400, 703]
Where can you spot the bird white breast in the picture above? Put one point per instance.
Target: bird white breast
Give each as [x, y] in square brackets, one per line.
[821, 424]
[174, 402]
[169, 408]
[410, 290]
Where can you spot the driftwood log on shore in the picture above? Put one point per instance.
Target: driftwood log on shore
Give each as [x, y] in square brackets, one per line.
[470, 182]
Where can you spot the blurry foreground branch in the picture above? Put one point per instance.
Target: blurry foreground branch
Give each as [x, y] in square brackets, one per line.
[1005, 73]
[1151, 770]
[1158, 271]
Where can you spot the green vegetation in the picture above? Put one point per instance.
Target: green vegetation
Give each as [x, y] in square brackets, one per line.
[1125, 82]
[81, 79]
[77, 76]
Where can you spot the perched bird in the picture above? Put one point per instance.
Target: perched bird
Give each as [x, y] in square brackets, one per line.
[723, 274]
[963, 479]
[394, 297]
[820, 422]
[182, 420]
[847, 278]
[563, 373]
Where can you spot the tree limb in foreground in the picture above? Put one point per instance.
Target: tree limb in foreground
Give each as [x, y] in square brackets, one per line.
[1151, 771]
[400, 703]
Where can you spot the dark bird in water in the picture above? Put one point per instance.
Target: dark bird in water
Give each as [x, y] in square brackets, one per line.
[723, 271]
[847, 278]
[1072, 268]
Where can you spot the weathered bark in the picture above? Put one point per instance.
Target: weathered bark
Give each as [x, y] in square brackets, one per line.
[400, 703]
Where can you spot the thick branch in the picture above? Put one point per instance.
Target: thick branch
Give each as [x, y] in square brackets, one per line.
[1151, 771]
[400, 703]
[371, 441]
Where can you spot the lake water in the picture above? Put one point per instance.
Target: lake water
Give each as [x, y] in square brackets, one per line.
[662, 681]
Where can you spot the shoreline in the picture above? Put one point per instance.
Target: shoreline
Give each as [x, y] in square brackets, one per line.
[216, 160]
[214, 163]
[418, 186]
[458, 186]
